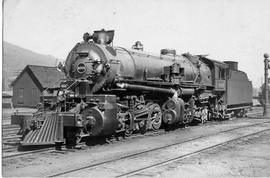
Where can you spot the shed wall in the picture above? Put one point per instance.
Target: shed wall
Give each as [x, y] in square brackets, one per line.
[25, 92]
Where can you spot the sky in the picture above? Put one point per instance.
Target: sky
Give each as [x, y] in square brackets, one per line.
[237, 30]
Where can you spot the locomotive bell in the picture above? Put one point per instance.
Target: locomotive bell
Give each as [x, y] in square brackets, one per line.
[168, 52]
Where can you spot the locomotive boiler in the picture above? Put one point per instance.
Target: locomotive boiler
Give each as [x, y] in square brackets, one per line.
[112, 90]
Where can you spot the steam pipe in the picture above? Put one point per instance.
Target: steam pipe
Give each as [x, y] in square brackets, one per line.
[172, 92]
[145, 88]
[187, 91]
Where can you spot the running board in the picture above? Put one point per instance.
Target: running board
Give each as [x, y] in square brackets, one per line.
[50, 133]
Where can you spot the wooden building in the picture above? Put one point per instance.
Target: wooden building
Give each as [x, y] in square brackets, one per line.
[31, 82]
[6, 99]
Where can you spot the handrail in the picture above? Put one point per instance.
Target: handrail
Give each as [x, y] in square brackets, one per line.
[51, 85]
[47, 89]
[127, 51]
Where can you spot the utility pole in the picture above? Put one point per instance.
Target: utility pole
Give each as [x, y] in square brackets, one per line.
[266, 109]
[56, 60]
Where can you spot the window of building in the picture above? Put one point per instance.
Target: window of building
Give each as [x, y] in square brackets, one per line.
[20, 96]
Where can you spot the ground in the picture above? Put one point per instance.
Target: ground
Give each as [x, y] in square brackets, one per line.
[246, 158]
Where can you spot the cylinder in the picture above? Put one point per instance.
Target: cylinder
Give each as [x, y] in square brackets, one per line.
[173, 111]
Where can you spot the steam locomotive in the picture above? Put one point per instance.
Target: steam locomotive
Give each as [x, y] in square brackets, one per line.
[112, 90]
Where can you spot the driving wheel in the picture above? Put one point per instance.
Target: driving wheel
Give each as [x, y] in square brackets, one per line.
[155, 117]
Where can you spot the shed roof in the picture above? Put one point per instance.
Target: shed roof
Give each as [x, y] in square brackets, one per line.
[43, 76]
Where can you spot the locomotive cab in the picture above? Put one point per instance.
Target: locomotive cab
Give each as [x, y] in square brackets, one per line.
[218, 72]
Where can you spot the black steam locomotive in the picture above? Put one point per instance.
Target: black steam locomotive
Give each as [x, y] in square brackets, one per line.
[112, 90]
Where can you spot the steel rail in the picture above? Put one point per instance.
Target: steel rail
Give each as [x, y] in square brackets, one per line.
[9, 126]
[9, 132]
[10, 129]
[27, 153]
[12, 138]
[10, 148]
[43, 150]
[149, 150]
[9, 136]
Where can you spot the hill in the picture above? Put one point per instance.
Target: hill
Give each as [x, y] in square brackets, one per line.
[15, 58]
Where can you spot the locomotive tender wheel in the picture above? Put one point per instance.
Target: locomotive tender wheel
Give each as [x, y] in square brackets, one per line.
[238, 113]
[242, 113]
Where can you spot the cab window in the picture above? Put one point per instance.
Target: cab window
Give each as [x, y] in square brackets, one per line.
[221, 73]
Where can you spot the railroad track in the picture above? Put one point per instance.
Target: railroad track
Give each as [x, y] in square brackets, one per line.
[10, 148]
[5, 154]
[9, 132]
[49, 149]
[12, 151]
[10, 139]
[147, 169]
[117, 167]
[9, 126]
